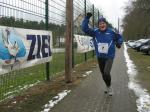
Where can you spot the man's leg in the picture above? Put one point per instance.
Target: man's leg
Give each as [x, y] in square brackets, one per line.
[107, 70]
[107, 76]
[102, 64]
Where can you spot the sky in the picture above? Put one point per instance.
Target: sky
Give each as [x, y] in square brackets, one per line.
[111, 9]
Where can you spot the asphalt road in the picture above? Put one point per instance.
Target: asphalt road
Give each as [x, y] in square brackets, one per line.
[89, 96]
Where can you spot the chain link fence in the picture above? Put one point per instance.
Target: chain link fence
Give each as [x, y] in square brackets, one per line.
[31, 14]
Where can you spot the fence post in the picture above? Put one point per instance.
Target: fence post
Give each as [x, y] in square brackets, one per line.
[85, 54]
[68, 48]
[93, 15]
[73, 50]
[46, 28]
[93, 22]
[72, 40]
[118, 25]
[98, 17]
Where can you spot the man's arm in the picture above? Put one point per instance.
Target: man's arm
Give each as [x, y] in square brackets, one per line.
[119, 40]
[85, 26]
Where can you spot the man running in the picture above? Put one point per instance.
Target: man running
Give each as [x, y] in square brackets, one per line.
[105, 40]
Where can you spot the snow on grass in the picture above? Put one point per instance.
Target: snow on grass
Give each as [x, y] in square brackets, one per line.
[143, 101]
[87, 73]
[55, 100]
[11, 94]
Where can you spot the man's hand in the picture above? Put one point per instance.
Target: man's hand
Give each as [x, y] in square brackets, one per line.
[89, 14]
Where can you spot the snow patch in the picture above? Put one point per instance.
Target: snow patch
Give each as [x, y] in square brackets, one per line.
[17, 90]
[84, 75]
[55, 100]
[14, 102]
[87, 73]
[143, 101]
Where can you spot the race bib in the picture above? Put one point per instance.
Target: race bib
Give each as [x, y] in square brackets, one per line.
[103, 48]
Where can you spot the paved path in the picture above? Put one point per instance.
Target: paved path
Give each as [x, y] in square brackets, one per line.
[89, 96]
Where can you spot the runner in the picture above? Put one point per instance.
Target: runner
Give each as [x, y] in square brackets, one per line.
[105, 40]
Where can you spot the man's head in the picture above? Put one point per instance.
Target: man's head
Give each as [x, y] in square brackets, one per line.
[102, 24]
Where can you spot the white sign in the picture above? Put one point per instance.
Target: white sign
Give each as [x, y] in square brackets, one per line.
[20, 48]
[84, 43]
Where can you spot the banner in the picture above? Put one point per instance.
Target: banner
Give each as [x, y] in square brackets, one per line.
[84, 43]
[21, 48]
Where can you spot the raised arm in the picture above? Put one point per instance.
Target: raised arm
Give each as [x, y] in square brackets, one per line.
[85, 26]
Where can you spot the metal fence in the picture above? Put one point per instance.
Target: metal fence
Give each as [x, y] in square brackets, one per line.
[48, 15]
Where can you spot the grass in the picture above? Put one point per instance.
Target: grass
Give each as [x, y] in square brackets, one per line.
[142, 63]
[33, 99]
[14, 82]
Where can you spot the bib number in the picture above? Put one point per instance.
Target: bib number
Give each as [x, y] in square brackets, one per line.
[103, 48]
